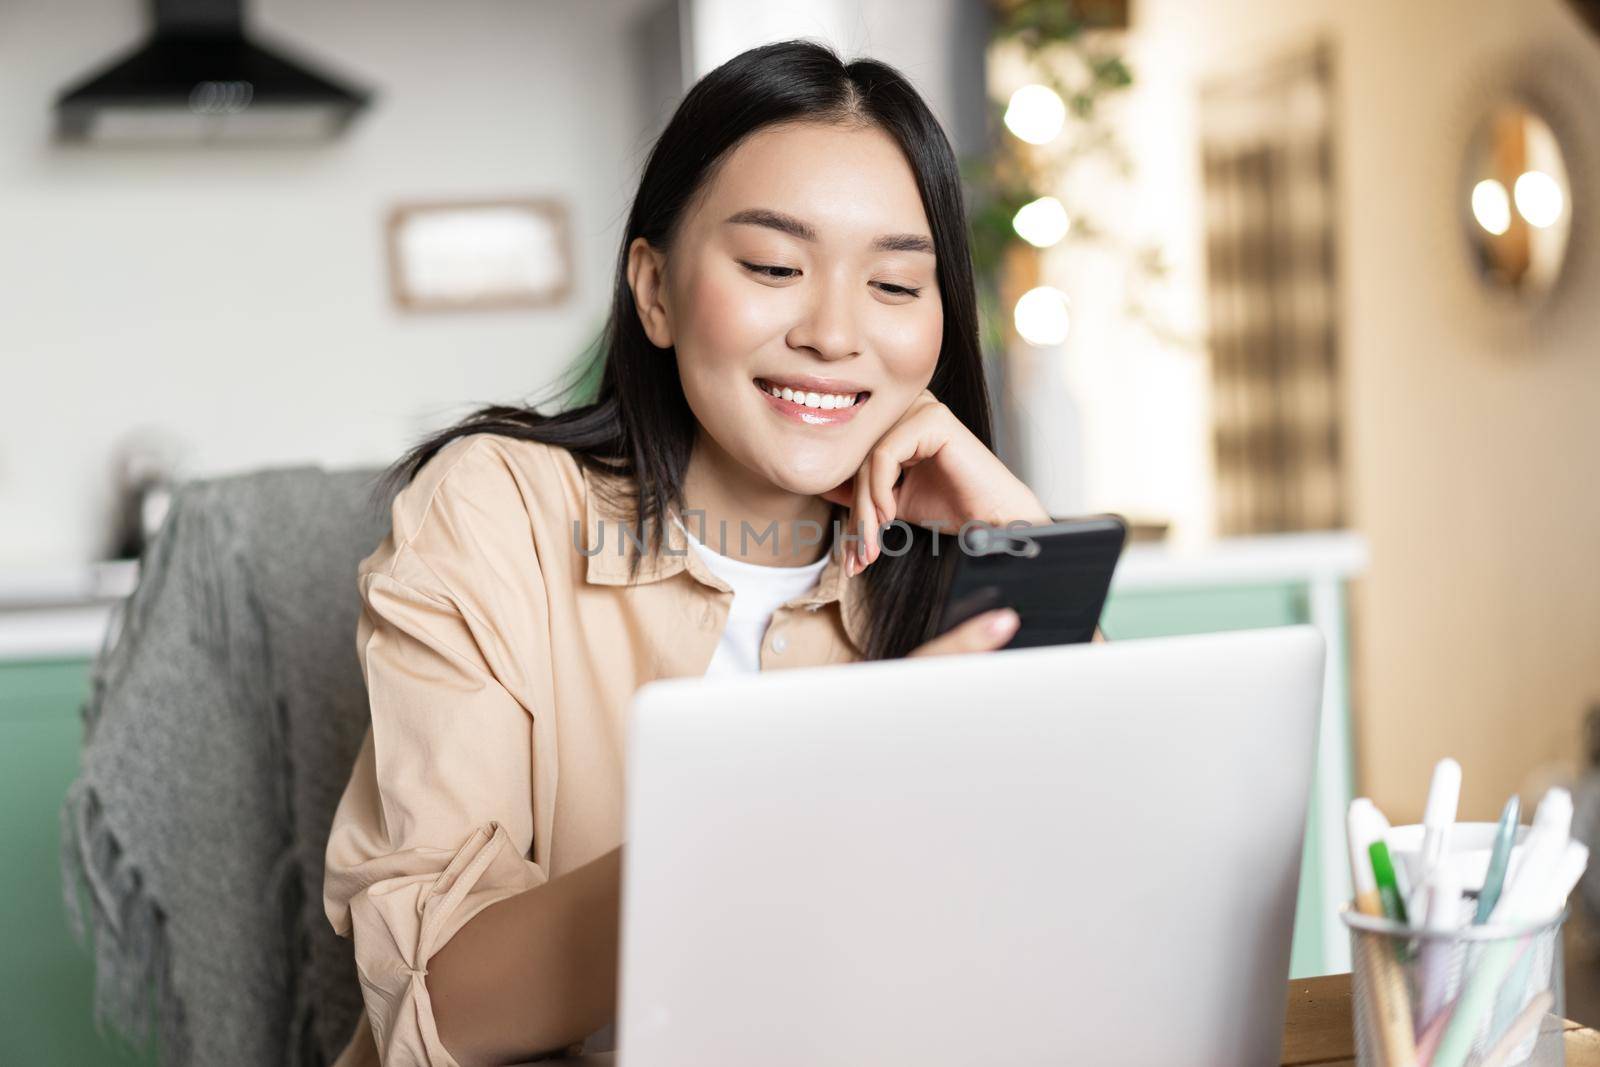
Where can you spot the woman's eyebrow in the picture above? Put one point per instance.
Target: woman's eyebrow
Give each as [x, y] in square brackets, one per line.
[777, 220]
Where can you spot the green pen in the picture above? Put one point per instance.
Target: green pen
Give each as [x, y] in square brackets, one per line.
[1394, 906]
[1505, 836]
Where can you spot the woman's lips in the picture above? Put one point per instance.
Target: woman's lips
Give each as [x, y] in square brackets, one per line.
[809, 415]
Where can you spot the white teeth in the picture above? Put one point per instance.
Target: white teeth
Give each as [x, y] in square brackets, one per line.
[821, 401]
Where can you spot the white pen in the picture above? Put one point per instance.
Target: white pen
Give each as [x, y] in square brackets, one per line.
[1568, 872]
[1444, 796]
[1444, 913]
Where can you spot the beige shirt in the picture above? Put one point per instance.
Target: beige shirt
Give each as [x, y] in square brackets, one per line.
[499, 661]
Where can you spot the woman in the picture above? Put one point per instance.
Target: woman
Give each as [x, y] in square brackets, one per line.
[793, 332]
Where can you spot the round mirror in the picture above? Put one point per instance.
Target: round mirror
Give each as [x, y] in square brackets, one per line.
[1517, 203]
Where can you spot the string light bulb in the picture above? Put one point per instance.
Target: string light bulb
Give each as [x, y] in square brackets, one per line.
[1041, 316]
[1036, 114]
[1042, 222]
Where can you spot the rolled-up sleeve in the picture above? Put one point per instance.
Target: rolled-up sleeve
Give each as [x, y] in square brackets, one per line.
[437, 820]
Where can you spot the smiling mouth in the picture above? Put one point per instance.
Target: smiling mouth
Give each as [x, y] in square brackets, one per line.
[816, 401]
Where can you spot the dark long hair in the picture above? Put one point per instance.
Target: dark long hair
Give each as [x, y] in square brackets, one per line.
[639, 423]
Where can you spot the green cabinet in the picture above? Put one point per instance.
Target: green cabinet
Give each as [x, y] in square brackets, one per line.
[1168, 613]
[46, 977]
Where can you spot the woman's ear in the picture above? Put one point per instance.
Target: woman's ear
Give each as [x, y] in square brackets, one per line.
[647, 278]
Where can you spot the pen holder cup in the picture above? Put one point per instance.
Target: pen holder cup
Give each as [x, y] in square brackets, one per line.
[1477, 996]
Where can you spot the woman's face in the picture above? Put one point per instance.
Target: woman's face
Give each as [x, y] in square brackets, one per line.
[805, 267]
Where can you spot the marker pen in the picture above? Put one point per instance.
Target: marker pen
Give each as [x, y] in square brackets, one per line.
[1505, 839]
[1391, 1002]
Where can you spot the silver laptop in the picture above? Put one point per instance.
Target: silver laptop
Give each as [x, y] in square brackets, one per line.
[1075, 855]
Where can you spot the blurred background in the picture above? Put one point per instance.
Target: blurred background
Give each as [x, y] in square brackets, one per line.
[1303, 288]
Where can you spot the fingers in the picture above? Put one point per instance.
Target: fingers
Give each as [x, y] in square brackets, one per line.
[981, 633]
[863, 518]
[870, 493]
[883, 471]
[915, 438]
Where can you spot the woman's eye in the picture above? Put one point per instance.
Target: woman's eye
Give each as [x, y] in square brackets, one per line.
[785, 273]
[769, 272]
[899, 290]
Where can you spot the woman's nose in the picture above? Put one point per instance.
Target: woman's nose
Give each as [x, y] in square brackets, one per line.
[829, 327]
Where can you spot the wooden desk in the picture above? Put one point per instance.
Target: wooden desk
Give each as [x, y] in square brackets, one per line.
[1319, 1031]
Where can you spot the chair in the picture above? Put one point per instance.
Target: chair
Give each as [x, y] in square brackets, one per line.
[226, 709]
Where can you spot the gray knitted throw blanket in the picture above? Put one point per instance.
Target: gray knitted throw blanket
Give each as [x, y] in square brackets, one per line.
[225, 713]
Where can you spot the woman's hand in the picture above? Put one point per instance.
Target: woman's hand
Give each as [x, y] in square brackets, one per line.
[981, 633]
[950, 479]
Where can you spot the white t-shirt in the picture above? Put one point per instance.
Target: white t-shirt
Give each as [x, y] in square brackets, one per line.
[758, 591]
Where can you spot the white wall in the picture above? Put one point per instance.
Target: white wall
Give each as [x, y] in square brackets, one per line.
[929, 41]
[237, 297]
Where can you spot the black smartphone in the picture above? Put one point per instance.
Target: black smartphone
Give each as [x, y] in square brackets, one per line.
[1056, 576]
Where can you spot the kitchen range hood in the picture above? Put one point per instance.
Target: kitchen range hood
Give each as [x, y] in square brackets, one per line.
[199, 78]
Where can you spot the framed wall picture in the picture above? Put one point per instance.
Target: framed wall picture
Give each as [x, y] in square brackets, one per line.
[472, 255]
